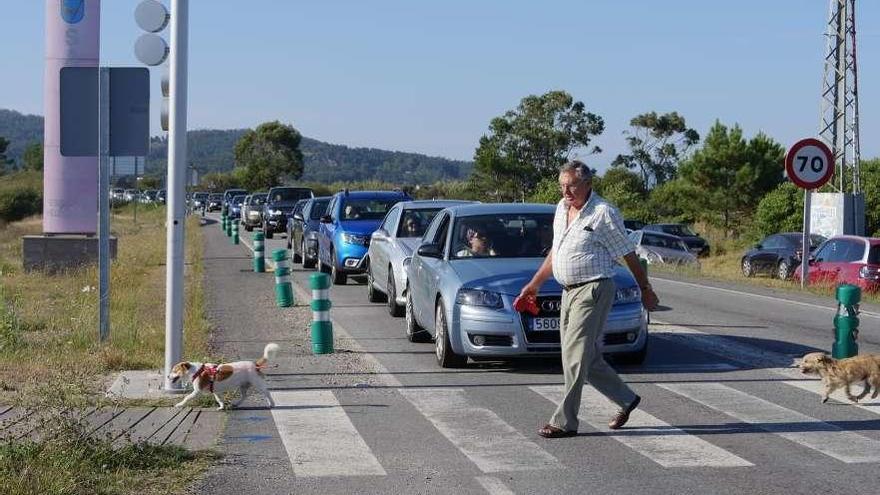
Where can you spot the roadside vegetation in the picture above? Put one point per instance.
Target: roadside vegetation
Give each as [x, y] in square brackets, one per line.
[52, 363]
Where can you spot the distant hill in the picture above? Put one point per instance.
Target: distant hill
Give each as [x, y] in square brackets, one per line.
[212, 151]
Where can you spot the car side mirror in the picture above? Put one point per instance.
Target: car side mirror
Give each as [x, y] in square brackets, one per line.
[326, 219]
[430, 251]
[759, 246]
[380, 234]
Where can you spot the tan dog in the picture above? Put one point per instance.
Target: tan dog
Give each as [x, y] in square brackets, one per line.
[216, 379]
[837, 373]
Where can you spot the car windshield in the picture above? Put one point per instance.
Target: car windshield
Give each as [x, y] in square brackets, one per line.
[216, 197]
[258, 199]
[200, 195]
[503, 235]
[415, 222]
[367, 209]
[663, 242]
[238, 199]
[678, 230]
[290, 194]
[318, 209]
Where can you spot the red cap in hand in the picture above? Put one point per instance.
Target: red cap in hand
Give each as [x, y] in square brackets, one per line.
[528, 304]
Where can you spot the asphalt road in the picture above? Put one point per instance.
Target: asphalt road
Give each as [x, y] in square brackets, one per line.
[722, 410]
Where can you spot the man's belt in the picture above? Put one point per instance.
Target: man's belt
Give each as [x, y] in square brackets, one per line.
[581, 284]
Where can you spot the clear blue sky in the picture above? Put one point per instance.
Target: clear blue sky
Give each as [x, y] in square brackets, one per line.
[428, 76]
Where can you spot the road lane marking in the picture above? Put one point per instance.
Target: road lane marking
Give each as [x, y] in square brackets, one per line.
[318, 436]
[488, 441]
[820, 436]
[653, 438]
[728, 348]
[493, 485]
[761, 296]
[815, 386]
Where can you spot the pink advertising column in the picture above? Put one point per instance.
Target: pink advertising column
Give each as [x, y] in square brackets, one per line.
[70, 184]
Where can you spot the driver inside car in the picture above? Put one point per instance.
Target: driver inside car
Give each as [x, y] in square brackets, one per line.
[476, 243]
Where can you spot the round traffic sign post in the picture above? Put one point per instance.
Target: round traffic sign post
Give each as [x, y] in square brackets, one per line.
[809, 163]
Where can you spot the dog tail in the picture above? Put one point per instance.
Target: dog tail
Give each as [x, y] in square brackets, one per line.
[268, 354]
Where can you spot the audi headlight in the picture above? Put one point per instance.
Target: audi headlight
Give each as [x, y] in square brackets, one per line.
[653, 257]
[628, 295]
[475, 297]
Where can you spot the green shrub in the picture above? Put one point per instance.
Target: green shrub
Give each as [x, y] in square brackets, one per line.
[21, 195]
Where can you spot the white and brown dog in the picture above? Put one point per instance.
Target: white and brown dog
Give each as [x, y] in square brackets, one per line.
[842, 373]
[218, 378]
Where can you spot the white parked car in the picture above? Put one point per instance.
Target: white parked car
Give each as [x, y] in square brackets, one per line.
[660, 248]
[391, 247]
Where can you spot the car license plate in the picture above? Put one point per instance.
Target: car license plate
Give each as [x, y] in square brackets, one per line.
[545, 324]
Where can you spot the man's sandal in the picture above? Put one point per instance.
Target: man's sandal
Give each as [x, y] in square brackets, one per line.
[550, 431]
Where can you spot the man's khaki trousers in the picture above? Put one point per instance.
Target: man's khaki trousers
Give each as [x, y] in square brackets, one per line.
[582, 318]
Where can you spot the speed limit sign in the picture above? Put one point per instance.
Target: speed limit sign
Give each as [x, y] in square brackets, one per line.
[809, 163]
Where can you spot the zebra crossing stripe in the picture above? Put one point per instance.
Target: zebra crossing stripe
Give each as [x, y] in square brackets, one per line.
[658, 441]
[493, 485]
[815, 386]
[318, 436]
[820, 436]
[482, 436]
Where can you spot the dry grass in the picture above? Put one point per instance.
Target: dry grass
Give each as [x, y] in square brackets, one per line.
[52, 320]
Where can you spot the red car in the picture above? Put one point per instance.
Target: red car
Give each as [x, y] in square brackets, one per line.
[846, 259]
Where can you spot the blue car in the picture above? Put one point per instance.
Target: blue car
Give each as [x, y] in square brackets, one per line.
[235, 206]
[302, 231]
[346, 227]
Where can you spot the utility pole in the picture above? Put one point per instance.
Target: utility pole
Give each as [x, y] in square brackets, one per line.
[176, 189]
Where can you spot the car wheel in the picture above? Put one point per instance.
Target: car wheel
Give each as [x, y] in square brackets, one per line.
[248, 228]
[414, 332]
[306, 262]
[267, 231]
[747, 268]
[373, 294]
[783, 270]
[446, 357]
[339, 278]
[394, 309]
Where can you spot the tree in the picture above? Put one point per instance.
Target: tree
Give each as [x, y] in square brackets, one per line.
[656, 144]
[530, 143]
[4, 162]
[269, 154]
[870, 177]
[780, 210]
[675, 201]
[732, 175]
[221, 181]
[625, 190]
[150, 182]
[33, 157]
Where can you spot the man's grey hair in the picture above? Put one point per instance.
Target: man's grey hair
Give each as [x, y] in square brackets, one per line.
[579, 168]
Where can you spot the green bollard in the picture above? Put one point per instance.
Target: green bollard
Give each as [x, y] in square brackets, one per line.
[235, 233]
[322, 327]
[846, 321]
[229, 227]
[223, 222]
[283, 287]
[259, 249]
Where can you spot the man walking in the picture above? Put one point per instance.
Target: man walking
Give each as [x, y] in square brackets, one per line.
[588, 235]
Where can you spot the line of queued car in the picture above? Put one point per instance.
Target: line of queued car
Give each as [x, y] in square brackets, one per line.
[450, 268]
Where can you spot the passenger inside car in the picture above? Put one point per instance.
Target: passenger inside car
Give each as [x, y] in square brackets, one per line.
[476, 242]
[411, 226]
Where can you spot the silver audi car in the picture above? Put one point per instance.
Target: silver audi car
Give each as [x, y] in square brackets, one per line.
[472, 263]
[392, 245]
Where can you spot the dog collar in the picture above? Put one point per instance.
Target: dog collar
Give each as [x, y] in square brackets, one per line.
[208, 371]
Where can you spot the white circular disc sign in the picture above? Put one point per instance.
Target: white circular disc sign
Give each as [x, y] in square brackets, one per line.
[151, 49]
[151, 16]
[809, 163]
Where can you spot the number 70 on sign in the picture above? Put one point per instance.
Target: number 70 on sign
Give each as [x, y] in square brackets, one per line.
[809, 163]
